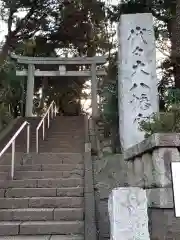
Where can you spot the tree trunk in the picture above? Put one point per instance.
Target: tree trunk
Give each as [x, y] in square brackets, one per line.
[44, 88]
[176, 44]
[4, 52]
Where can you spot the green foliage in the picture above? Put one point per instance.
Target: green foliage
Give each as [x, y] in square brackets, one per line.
[167, 122]
[6, 117]
[173, 96]
[110, 103]
[10, 91]
[53, 28]
[164, 122]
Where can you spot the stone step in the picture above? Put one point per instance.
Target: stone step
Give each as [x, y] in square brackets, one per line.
[55, 158]
[63, 182]
[42, 202]
[41, 227]
[47, 174]
[56, 142]
[62, 167]
[44, 158]
[52, 227]
[42, 183]
[42, 192]
[63, 237]
[45, 149]
[45, 237]
[7, 168]
[42, 214]
[43, 167]
[3, 175]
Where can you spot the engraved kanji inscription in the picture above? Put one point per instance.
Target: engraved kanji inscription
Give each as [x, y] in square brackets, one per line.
[142, 101]
[138, 32]
[139, 66]
[138, 51]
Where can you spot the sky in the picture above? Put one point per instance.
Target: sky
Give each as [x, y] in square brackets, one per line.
[3, 27]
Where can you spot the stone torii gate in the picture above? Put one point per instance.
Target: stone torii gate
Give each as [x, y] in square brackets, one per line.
[31, 73]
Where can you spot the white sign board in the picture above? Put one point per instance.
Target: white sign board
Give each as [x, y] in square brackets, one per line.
[176, 186]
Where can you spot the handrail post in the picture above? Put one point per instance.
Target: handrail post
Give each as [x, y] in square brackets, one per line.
[43, 130]
[50, 113]
[48, 119]
[37, 140]
[55, 110]
[28, 137]
[11, 143]
[12, 160]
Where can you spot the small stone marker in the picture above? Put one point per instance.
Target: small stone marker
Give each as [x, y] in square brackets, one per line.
[128, 214]
[175, 166]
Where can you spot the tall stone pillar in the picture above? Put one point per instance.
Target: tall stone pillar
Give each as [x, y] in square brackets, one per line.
[94, 104]
[138, 94]
[94, 92]
[30, 91]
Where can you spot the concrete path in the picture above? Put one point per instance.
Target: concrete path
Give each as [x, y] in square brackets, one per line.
[47, 237]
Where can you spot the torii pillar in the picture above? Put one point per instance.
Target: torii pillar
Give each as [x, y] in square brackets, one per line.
[30, 91]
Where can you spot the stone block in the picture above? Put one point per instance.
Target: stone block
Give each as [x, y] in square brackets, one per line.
[26, 214]
[35, 167]
[157, 140]
[68, 214]
[73, 158]
[56, 202]
[111, 171]
[160, 198]
[162, 158]
[14, 203]
[56, 158]
[148, 170]
[38, 174]
[9, 228]
[103, 218]
[63, 237]
[62, 167]
[30, 192]
[130, 174]
[2, 193]
[128, 214]
[3, 175]
[102, 191]
[18, 183]
[58, 183]
[53, 227]
[164, 224]
[138, 172]
[74, 173]
[27, 238]
[70, 192]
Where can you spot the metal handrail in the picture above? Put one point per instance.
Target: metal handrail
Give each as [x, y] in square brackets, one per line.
[51, 110]
[12, 142]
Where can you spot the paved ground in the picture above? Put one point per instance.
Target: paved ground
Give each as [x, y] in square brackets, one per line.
[54, 237]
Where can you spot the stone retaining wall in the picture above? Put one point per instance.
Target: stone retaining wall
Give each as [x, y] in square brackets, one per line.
[145, 165]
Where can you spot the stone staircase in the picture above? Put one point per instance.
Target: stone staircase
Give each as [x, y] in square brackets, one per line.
[46, 198]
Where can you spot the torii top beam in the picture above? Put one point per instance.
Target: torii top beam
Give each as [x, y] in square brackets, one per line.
[98, 60]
